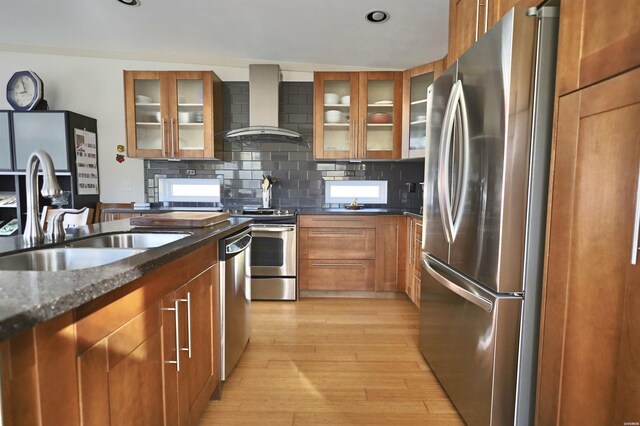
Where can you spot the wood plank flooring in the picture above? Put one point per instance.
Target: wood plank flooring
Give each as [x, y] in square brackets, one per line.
[333, 362]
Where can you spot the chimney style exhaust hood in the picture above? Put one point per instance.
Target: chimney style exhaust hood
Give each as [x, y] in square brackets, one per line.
[264, 82]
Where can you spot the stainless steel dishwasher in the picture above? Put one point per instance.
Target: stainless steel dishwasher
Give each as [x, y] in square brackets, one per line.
[235, 299]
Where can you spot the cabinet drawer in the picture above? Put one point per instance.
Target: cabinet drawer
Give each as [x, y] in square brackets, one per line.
[341, 243]
[337, 221]
[332, 274]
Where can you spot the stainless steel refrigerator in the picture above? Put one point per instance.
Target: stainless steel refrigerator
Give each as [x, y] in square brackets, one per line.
[486, 179]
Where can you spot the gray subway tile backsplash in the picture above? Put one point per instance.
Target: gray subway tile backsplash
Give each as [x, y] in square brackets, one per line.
[300, 179]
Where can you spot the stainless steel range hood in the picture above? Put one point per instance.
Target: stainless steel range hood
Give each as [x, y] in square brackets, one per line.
[264, 82]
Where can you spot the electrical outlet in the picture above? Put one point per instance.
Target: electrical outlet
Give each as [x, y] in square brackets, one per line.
[191, 172]
[126, 185]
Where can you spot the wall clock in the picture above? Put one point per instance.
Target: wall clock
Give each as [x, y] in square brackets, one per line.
[25, 91]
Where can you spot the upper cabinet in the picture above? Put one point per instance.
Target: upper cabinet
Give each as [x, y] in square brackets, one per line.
[173, 114]
[416, 108]
[357, 115]
[470, 19]
[596, 41]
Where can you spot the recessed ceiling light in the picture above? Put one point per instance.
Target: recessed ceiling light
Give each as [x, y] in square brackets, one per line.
[377, 16]
[130, 2]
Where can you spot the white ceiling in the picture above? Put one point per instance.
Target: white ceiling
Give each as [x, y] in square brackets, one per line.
[299, 34]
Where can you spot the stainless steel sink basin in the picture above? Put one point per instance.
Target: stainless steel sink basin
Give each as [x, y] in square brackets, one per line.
[64, 258]
[129, 240]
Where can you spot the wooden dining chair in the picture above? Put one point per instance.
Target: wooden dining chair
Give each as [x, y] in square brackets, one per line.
[71, 220]
[102, 216]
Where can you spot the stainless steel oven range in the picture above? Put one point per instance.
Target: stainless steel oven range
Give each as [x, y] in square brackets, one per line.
[273, 253]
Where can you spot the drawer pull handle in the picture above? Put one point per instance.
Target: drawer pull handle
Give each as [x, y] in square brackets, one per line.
[175, 310]
[338, 220]
[635, 247]
[336, 233]
[346, 265]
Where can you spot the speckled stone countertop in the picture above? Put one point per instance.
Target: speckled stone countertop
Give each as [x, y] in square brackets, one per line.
[28, 298]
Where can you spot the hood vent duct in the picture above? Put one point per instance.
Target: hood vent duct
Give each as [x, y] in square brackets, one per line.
[264, 82]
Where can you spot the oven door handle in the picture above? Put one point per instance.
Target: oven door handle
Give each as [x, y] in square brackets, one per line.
[274, 229]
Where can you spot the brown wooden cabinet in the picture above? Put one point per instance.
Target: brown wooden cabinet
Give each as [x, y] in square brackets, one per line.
[470, 19]
[42, 357]
[413, 259]
[111, 361]
[597, 40]
[199, 371]
[357, 253]
[589, 372]
[357, 115]
[173, 114]
[416, 107]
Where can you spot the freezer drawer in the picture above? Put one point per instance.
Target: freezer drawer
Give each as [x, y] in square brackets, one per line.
[465, 332]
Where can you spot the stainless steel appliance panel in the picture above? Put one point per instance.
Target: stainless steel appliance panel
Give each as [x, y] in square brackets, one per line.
[277, 288]
[235, 299]
[469, 337]
[273, 250]
[497, 83]
[434, 240]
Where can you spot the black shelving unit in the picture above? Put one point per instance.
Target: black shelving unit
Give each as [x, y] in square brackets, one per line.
[53, 131]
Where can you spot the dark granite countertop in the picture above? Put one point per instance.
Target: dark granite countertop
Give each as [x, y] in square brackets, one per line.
[28, 298]
[363, 211]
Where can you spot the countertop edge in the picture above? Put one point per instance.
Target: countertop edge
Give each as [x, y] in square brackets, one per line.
[33, 309]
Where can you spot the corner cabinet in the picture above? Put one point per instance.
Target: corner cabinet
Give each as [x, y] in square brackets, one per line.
[416, 108]
[357, 115]
[173, 114]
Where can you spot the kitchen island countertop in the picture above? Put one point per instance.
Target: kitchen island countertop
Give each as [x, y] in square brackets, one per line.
[28, 298]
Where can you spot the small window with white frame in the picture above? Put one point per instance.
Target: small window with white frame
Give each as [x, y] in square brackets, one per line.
[365, 191]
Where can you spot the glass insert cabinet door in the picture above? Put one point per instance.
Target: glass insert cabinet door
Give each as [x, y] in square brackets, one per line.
[169, 114]
[335, 110]
[380, 114]
[192, 130]
[419, 112]
[146, 135]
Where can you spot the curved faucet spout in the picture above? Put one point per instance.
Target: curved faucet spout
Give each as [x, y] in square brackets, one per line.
[33, 232]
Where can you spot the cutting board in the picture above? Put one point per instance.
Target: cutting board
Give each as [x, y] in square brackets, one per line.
[179, 219]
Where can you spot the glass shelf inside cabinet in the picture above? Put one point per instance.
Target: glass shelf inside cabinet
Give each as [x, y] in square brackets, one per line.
[380, 109]
[148, 115]
[419, 110]
[337, 115]
[190, 115]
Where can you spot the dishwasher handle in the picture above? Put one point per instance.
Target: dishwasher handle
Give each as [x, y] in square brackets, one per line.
[238, 245]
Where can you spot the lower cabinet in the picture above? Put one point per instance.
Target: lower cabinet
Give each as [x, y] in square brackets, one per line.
[351, 252]
[414, 259]
[147, 353]
[191, 368]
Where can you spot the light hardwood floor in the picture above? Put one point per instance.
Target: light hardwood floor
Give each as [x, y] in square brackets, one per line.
[332, 362]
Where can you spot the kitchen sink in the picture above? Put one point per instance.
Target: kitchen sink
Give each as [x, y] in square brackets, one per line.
[132, 240]
[64, 258]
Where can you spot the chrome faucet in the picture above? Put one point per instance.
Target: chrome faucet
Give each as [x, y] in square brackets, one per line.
[33, 232]
[55, 230]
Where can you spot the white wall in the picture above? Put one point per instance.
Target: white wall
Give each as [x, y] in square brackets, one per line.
[94, 87]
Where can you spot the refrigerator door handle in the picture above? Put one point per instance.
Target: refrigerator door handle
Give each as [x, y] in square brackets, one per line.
[636, 227]
[481, 302]
[443, 169]
[464, 167]
[456, 112]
